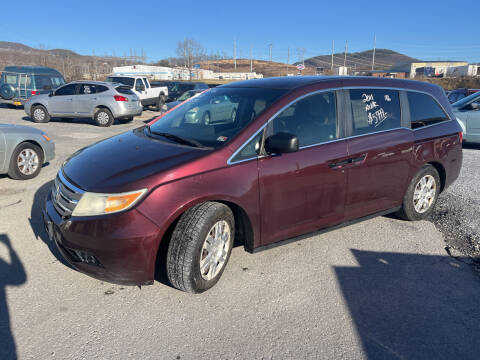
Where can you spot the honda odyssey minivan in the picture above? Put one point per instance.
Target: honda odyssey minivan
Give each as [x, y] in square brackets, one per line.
[301, 154]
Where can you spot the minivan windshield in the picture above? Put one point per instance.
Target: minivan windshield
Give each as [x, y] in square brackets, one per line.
[214, 118]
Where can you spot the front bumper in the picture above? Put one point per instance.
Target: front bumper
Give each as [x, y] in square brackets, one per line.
[119, 248]
[17, 102]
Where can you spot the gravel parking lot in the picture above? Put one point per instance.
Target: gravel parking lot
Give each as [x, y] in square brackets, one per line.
[383, 288]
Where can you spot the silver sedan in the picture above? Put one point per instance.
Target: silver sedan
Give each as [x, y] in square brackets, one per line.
[23, 151]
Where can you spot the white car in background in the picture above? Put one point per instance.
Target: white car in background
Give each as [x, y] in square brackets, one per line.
[146, 92]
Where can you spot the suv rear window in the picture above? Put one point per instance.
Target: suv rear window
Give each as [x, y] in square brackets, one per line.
[121, 80]
[375, 110]
[124, 90]
[424, 110]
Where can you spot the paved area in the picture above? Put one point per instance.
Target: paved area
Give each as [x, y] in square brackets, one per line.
[384, 288]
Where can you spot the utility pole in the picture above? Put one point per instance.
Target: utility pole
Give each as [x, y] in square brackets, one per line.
[235, 53]
[288, 59]
[345, 58]
[251, 59]
[270, 49]
[374, 48]
[333, 50]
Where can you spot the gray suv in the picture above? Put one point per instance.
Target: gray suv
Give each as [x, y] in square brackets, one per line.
[102, 101]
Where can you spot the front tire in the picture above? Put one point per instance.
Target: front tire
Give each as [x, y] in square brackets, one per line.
[39, 114]
[26, 162]
[200, 247]
[103, 117]
[422, 194]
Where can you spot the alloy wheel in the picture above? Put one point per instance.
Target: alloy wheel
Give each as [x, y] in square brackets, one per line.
[27, 161]
[424, 193]
[215, 250]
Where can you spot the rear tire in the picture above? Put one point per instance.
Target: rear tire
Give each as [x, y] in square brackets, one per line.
[39, 114]
[26, 162]
[103, 117]
[200, 247]
[422, 194]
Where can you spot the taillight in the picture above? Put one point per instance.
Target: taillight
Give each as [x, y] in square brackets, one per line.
[120, 98]
[34, 92]
[460, 136]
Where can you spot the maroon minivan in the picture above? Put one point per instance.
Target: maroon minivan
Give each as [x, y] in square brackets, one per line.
[258, 162]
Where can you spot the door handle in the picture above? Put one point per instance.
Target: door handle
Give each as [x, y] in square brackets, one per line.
[342, 163]
[358, 159]
[94, 98]
[339, 164]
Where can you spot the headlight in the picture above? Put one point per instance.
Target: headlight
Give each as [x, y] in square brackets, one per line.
[91, 204]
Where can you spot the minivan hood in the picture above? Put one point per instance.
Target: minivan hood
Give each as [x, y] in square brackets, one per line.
[118, 163]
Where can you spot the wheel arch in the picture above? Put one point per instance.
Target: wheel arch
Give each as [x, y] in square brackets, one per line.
[26, 141]
[441, 172]
[244, 234]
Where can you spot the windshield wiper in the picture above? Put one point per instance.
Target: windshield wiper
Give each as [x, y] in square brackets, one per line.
[176, 138]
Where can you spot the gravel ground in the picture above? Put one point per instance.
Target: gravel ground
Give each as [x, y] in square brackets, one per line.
[383, 288]
[456, 213]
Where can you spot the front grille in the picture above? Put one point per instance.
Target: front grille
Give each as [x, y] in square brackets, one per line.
[65, 196]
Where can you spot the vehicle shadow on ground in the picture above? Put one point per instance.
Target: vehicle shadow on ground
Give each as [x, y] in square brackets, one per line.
[11, 274]
[471, 146]
[408, 306]
[36, 221]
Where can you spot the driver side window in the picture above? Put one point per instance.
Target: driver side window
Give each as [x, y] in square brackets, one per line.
[139, 85]
[312, 119]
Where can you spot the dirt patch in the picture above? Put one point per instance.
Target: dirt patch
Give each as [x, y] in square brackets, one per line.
[456, 218]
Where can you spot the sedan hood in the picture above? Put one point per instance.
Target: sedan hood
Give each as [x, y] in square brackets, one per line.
[20, 129]
[118, 163]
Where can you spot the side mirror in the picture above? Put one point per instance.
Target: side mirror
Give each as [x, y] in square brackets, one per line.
[475, 106]
[281, 143]
[51, 93]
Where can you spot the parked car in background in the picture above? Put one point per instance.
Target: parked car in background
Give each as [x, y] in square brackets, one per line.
[178, 88]
[23, 151]
[19, 83]
[185, 96]
[458, 94]
[104, 102]
[220, 109]
[467, 112]
[147, 93]
[301, 154]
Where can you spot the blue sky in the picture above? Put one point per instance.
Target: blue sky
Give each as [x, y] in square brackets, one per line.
[428, 30]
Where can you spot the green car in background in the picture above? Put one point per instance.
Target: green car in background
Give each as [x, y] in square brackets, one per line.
[467, 112]
[19, 83]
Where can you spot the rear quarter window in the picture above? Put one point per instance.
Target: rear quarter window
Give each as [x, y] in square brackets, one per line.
[424, 110]
[375, 110]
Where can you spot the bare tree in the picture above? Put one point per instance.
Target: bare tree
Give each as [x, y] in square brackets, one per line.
[191, 51]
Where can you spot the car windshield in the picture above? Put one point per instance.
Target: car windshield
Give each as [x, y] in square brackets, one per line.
[216, 116]
[121, 80]
[187, 95]
[475, 97]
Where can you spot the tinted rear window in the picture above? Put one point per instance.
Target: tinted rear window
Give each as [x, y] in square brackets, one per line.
[424, 110]
[121, 80]
[124, 90]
